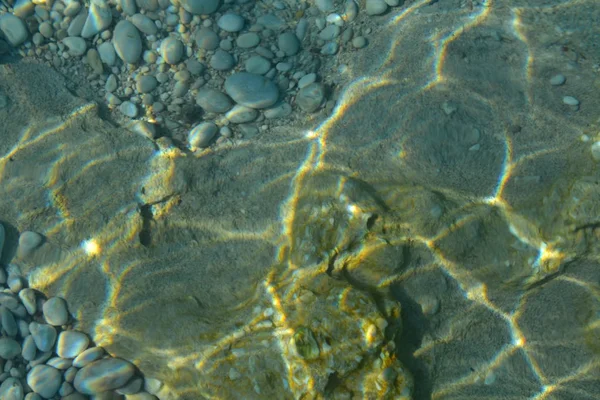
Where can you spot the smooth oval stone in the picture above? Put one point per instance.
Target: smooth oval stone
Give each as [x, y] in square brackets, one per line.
[28, 242]
[376, 7]
[200, 7]
[206, 39]
[11, 389]
[107, 53]
[231, 22]
[248, 40]
[14, 29]
[8, 322]
[55, 311]
[127, 42]
[129, 7]
[144, 24]
[9, 348]
[44, 335]
[251, 90]
[128, 109]
[102, 375]
[29, 350]
[171, 50]
[241, 114]
[288, 43]
[212, 100]
[202, 134]
[76, 25]
[99, 18]
[90, 355]
[310, 97]
[44, 380]
[145, 83]
[222, 60]
[77, 46]
[258, 65]
[71, 344]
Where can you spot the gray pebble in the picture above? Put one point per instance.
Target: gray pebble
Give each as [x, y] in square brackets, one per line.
[359, 42]
[162, 77]
[129, 7]
[128, 109]
[376, 7]
[9, 325]
[302, 28]
[251, 90]
[194, 66]
[247, 40]
[88, 356]
[202, 134]
[330, 48]
[76, 45]
[103, 375]
[44, 380]
[350, 10]
[144, 24]
[148, 5]
[330, 32]
[107, 53]
[325, 5]
[200, 7]
[44, 335]
[76, 25]
[46, 29]
[171, 50]
[310, 97]
[558, 80]
[71, 343]
[29, 349]
[570, 101]
[145, 83]
[11, 389]
[206, 39]
[222, 60]
[111, 83]
[288, 43]
[280, 111]
[99, 18]
[226, 45]
[14, 29]
[180, 89]
[55, 311]
[28, 242]
[9, 348]
[241, 114]
[145, 129]
[212, 100]
[271, 21]
[231, 22]
[307, 80]
[257, 65]
[94, 61]
[127, 42]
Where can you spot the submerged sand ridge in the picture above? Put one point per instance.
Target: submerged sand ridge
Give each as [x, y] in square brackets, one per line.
[462, 212]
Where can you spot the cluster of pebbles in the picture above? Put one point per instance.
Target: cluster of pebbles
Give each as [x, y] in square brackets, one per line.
[197, 71]
[42, 357]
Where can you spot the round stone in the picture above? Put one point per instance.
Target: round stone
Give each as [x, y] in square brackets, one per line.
[127, 42]
[171, 50]
[146, 83]
[251, 90]
[11, 389]
[27, 297]
[76, 45]
[222, 60]
[44, 335]
[206, 39]
[99, 18]
[202, 134]
[596, 151]
[55, 311]
[570, 101]
[241, 114]
[558, 80]
[200, 7]
[247, 40]
[46, 29]
[310, 97]
[71, 344]
[212, 100]
[307, 80]
[14, 29]
[107, 53]
[44, 380]
[231, 22]
[258, 65]
[376, 7]
[9, 348]
[88, 356]
[28, 242]
[359, 42]
[144, 24]
[103, 375]
[128, 109]
[288, 43]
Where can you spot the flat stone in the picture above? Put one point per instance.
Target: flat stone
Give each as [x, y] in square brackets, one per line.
[107, 53]
[258, 65]
[77, 46]
[558, 80]
[231, 22]
[222, 60]
[200, 7]
[102, 375]
[310, 97]
[144, 24]
[213, 100]
[55, 311]
[251, 90]
[289, 43]
[88, 356]
[127, 42]
[99, 18]
[376, 7]
[248, 40]
[76, 25]
[44, 380]
[14, 29]
[145, 83]
[44, 335]
[202, 134]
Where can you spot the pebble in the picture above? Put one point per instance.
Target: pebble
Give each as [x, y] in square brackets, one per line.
[241, 114]
[76, 25]
[257, 65]
[330, 32]
[350, 10]
[94, 61]
[376, 7]
[212, 100]
[288, 43]
[107, 53]
[202, 134]
[570, 101]
[144, 24]
[55, 311]
[231, 22]
[71, 343]
[359, 42]
[44, 335]
[247, 40]
[99, 18]
[206, 39]
[325, 5]
[251, 90]
[280, 111]
[307, 80]
[46, 29]
[14, 29]
[145, 129]
[127, 42]
[111, 83]
[222, 60]
[558, 80]
[596, 151]
[146, 83]
[44, 380]
[11, 389]
[102, 375]
[171, 50]
[128, 109]
[200, 7]
[310, 97]
[88, 356]
[28, 242]
[9, 348]
[77, 46]
[271, 21]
